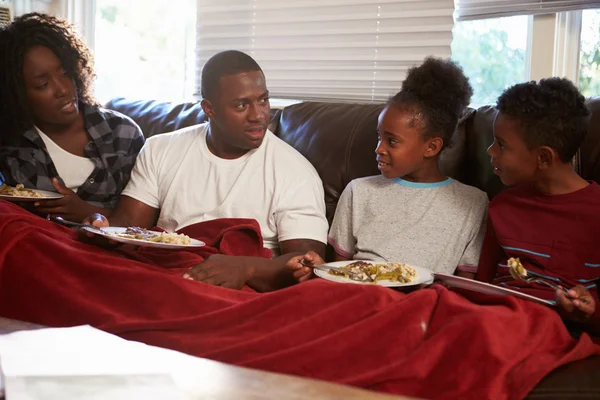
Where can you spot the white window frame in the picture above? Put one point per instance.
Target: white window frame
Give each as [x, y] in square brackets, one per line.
[559, 57]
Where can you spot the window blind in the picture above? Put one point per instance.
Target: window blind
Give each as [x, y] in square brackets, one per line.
[480, 9]
[344, 50]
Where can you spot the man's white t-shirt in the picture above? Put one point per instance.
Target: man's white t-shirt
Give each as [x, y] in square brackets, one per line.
[273, 184]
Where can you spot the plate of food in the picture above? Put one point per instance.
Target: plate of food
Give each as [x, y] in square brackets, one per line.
[485, 288]
[379, 273]
[146, 238]
[20, 194]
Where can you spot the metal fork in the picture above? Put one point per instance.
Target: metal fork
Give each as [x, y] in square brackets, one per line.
[351, 275]
[540, 281]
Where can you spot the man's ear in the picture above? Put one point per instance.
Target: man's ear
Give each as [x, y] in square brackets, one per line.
[547, 157]
[208, 108]
[434, 146]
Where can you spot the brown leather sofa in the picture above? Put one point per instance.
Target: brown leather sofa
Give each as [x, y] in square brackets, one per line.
[340, 139]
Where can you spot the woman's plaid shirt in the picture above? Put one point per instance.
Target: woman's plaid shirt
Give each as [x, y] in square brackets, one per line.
[116, 142]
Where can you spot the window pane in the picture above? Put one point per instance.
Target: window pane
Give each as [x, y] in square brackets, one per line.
[492, 53]
[589, 72]
[145, 49]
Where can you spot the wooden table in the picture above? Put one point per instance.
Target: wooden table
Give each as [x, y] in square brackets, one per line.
[223, 381]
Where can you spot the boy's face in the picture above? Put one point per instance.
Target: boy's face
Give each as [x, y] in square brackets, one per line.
[512, 160]
[400, 147]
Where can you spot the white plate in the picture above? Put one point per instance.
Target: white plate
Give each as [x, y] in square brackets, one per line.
[22, 199]
[485, 288]
[424, 275]
[110, 231]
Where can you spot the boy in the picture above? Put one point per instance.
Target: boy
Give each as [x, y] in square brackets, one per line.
[550, 219]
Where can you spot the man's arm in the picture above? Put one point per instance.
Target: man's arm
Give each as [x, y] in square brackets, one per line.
[302, 246]
[132, 212]
[262, 275]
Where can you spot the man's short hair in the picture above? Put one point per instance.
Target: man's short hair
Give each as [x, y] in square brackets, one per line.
[230, 62]
[550, 113]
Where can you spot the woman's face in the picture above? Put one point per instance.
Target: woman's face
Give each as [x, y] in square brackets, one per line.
[50, 91]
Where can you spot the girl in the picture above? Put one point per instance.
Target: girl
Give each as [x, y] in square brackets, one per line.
[412, 213]
[53, 135]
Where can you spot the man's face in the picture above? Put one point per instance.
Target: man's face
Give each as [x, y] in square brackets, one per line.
[240, 110]
[50, 92]
[512, 160]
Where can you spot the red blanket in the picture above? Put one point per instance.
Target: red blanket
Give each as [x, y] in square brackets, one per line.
[432, 343]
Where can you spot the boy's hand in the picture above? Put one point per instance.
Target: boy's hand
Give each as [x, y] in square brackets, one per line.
[578, 305]
[298, 266]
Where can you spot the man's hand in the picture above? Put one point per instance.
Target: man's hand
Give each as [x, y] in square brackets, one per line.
[578, 305]
[97, 221]
[298, 265]
[70, 207]
[226, 271]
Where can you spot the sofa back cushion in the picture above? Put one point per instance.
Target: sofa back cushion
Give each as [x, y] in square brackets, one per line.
[339, 139]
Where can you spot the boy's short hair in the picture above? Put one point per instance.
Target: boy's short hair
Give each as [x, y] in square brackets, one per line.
[230, 62]
[550, 112]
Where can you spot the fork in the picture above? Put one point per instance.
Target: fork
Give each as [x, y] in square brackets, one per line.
[351, 275]
[540, 281]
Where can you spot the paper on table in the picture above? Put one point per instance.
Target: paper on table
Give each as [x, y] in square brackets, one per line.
[114, 387]
[80, 350]
[85, 363]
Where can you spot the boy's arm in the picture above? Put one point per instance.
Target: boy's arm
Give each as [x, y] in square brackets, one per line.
[491, 254]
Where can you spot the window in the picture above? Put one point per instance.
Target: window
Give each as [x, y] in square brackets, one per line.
[345, 50]
[492, 53]
[589, 72]
[145, 49]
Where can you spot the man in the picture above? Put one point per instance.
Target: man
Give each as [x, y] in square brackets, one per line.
[230, 167]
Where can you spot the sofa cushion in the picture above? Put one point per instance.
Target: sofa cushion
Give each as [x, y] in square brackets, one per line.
[589, 155]
[156, 117]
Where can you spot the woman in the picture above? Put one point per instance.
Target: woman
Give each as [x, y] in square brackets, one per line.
[53, 134]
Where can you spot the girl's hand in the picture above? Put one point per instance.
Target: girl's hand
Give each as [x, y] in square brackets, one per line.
[70, 207]
[298, 265]
[578, 305]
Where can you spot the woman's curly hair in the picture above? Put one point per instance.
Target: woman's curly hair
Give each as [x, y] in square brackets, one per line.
[437, 92]
[550, 113]
[16, 39]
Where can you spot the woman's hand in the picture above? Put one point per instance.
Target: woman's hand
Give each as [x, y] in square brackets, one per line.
[71, 207]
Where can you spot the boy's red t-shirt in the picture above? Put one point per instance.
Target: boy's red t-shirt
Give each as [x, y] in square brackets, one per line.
[555, 236]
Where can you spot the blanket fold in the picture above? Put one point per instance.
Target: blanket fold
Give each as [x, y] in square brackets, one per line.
[431, 343]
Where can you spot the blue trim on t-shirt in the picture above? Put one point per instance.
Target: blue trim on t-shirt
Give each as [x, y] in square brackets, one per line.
[424, 185]
[526, 251]
[592, 265]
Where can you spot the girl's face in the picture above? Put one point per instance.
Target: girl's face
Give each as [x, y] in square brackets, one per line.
[401, 148]
[50, 91]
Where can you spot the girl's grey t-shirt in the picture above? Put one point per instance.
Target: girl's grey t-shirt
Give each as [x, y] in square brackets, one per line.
[439, 225]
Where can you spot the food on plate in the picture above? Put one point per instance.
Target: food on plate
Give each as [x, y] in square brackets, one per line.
[18, 191]
[514, 264]
[367, 272]
[135, 232]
